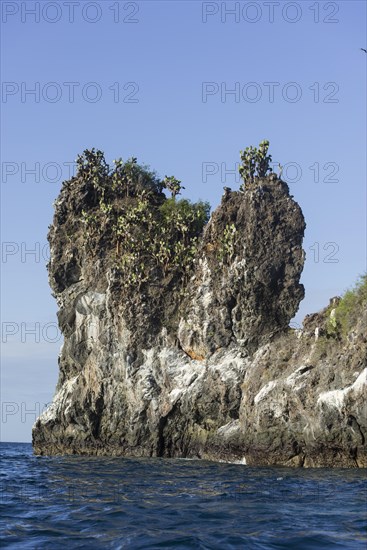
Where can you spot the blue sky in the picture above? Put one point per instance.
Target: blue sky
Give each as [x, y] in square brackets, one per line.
[174, 65]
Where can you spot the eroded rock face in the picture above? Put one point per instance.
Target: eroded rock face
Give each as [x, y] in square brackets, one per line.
[207, 367]
[246, 287]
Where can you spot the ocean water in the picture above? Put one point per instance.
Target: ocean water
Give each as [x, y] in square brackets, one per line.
[79, 502]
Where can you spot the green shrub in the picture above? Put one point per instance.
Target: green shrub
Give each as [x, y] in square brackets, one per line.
[164, 238]
[348, 310]
[255, 163]
[180, 224]
[130, 179]
[153, 236]
[173, 185]
[227, 244]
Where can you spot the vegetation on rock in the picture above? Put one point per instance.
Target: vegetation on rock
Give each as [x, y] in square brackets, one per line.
[344, 316]
[227, 244]
[173, 185]
[255, 163]
[154, 235]
[119, 228]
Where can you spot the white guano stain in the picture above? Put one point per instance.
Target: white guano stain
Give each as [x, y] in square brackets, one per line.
[264, 391]
[336, 398]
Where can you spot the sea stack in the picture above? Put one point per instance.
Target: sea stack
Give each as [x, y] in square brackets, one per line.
[183, 348]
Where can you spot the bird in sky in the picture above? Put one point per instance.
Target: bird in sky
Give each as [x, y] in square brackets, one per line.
[363, 50]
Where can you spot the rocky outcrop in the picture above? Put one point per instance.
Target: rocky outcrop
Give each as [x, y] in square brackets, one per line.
[246, 287]
[203, 365]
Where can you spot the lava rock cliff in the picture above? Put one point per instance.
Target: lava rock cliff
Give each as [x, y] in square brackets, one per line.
[197, 361]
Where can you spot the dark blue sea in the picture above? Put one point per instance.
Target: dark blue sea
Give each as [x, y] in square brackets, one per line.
[78, 502]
